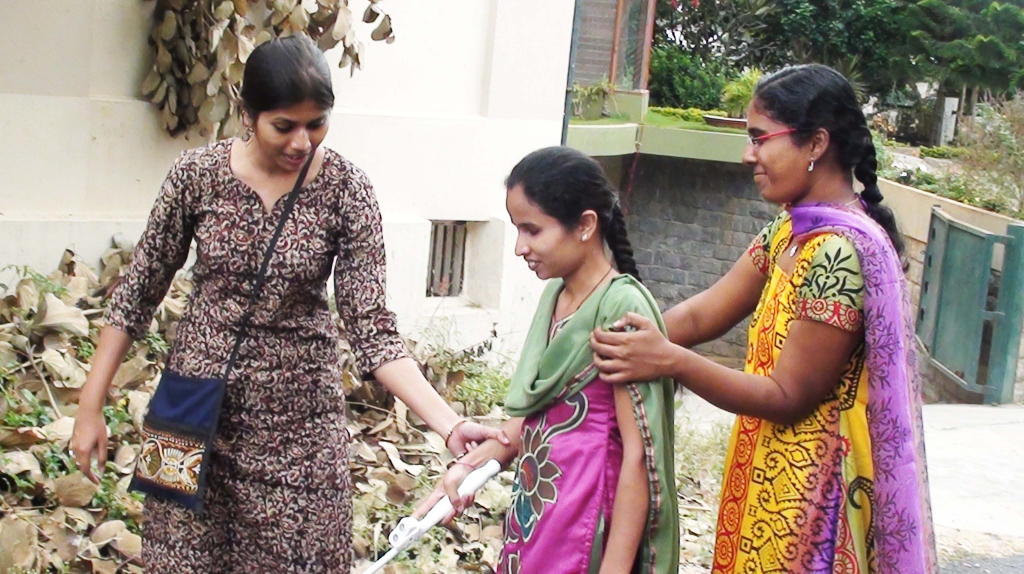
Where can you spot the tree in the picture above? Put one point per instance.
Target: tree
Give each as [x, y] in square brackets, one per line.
[864, 38]
[697, 47]
[972, 44]
[710, 29]
[967, 46]
[200, 48]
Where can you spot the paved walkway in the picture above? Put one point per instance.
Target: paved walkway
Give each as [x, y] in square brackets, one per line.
[976, 467]
[976, 473]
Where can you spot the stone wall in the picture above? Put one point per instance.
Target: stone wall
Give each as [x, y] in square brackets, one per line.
[689, 221]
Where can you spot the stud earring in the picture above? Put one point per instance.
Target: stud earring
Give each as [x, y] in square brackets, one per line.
[811, 167]
[585, 237]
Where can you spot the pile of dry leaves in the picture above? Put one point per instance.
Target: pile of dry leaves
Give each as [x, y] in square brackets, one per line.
[53, 519]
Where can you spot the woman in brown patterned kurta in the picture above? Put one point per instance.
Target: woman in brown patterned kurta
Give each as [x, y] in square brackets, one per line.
[279, 497]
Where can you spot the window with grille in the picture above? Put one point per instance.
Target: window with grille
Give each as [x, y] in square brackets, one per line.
[447, 258]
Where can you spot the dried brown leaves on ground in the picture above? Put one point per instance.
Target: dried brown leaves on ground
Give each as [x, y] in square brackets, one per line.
[52, 519]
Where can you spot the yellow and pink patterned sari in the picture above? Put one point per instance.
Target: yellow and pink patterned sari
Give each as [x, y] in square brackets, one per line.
[844, 490]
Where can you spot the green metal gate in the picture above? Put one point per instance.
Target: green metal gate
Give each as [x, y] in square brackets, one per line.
[957, 312]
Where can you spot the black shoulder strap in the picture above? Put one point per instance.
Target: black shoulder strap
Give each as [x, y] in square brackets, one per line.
[261, 276]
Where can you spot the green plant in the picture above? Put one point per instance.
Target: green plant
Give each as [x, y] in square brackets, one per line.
[158, 346]
[655, 119]
[109, 498]
[84, 347]
[26, 411]
[57, 462]
[585, 96]
[42, 282]
[200, 48]
[688, 114]
[993, 152]
[115, 416]
[942, 152]
[737, 94]
[483, 388]
[679, 78]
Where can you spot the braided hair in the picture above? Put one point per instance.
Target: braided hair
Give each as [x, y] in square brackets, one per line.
[565, 182]
[811, 97]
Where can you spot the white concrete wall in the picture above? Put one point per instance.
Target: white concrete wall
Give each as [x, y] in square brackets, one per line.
[436, 119]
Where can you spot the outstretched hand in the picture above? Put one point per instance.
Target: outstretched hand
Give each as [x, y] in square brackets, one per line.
[467, 435]
[635, 355]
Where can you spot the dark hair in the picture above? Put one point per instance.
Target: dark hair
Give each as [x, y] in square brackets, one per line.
[564, 183]
[284, 72]
[813, 96]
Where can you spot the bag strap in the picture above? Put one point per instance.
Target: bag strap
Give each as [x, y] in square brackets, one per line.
[261, 276]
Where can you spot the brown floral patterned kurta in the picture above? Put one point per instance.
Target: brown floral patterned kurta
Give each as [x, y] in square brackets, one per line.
[280, 492]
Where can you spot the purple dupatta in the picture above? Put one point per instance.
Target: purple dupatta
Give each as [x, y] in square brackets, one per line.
[901, 513]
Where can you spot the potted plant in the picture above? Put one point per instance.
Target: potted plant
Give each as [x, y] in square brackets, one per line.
[589, 102]
[736, 98]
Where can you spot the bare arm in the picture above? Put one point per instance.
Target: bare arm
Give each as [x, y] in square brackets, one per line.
[360, 288]
[90, 434]
[712, 312]
[629, 514]
[809, 367]
[161, 251]
[403, 379]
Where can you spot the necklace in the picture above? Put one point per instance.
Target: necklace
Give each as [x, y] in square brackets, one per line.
[792, 250]
[573, 309]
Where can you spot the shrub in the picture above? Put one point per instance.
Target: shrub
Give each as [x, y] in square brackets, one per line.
[993, 152]
[688, 114]
[737, 94]
[680, 79]
[942, 152]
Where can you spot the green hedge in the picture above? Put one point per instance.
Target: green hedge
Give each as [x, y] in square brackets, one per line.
[688, 114]
[942, 152]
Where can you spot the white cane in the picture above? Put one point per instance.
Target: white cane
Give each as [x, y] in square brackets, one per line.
[409, 529]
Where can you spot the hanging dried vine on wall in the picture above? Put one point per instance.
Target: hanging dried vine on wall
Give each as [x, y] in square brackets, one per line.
[200, 48]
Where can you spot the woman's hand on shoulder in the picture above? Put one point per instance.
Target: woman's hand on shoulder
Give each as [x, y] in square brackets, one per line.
[634, 351]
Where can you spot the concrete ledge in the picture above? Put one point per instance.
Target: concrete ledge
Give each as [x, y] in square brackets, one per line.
[693, 144]
[603, 140]
[913, 208]
[621, 139]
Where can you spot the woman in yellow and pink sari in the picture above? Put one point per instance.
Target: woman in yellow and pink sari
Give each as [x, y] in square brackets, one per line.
[825, 471]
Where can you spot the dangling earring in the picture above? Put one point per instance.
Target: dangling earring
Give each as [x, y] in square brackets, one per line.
[811, 167]
[247, 134]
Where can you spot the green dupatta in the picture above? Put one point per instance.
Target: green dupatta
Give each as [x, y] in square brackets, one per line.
[548, 372]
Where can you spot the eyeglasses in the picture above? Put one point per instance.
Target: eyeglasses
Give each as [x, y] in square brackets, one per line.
[758, 140]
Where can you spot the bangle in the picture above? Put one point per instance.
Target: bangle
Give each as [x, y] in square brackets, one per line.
[452, 431]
